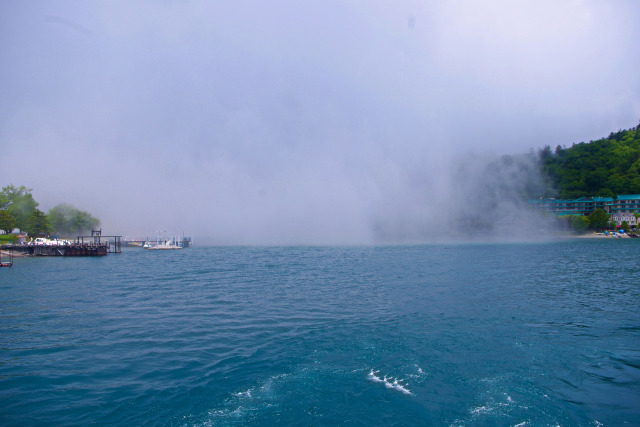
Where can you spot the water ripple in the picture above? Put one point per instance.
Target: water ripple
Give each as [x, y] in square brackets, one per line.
[541, 334]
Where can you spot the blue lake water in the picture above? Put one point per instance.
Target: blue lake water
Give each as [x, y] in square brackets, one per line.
[504, 334]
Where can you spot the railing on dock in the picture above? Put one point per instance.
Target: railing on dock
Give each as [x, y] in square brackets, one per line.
[112, 244]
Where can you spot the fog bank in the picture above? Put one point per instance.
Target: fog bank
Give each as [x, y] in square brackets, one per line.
[356, 122]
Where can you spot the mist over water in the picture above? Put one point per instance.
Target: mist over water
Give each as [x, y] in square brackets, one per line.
[458, 198]
[474, 197]
[328, 123]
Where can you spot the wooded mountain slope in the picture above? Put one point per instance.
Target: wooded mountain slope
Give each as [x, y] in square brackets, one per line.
[606, 167]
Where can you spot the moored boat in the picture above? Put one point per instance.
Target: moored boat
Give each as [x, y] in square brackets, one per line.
[163, 245]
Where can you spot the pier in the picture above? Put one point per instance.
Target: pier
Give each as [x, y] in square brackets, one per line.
[94, 245]
[72, 249]
[98, 242]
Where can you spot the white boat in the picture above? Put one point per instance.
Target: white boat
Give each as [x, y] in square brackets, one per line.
[163, 245]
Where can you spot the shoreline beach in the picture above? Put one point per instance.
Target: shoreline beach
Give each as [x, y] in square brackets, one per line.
[603, 236]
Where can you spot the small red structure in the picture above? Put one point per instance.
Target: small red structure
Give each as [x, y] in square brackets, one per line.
[7, 264]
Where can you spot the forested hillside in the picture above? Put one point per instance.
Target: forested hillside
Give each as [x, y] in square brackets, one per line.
[18, 209]
[606, 167]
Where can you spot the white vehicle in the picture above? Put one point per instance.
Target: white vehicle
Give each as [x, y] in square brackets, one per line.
[41, 241]
[59, 242]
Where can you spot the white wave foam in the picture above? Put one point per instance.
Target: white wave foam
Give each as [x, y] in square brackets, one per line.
[244, 393]
[481, 410]
[419, 374]
[373, 376]
[390, 382]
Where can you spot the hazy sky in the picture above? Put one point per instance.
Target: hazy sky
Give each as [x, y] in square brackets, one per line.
[272, 122]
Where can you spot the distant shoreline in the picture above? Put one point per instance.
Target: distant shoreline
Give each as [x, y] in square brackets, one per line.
[602, 236]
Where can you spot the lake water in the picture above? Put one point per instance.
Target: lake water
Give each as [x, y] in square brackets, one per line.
[504, 334]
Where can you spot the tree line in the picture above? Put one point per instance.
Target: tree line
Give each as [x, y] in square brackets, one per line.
[606, 167]
[597, 220]
[18, 209]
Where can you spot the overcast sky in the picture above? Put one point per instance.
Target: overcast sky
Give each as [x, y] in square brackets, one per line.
[308, 122]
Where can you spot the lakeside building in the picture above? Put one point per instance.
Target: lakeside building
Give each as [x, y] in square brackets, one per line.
[620, 217]
[621, 209]
[627, 203]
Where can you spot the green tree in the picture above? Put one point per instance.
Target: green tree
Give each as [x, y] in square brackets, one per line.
[598, 219]
[22, 208]
[579, 222]
[12, 193]
[37, 223]
[604, 192]
[67, 220]
[19, 203]
[604, 167]
[625, 226]
[7, 221]
[4, 201]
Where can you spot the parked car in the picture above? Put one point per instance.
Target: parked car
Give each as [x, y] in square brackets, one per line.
[39, 241]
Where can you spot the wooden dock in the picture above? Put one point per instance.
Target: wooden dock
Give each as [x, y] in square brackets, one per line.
[72, 249]
[94, 245]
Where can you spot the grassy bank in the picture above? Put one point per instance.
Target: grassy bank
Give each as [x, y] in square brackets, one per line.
[7, 238]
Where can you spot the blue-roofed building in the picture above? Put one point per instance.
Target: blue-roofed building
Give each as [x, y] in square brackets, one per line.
[621, 209]
[581, 206]
[603, 203]
[627, 203]
[624, 203]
